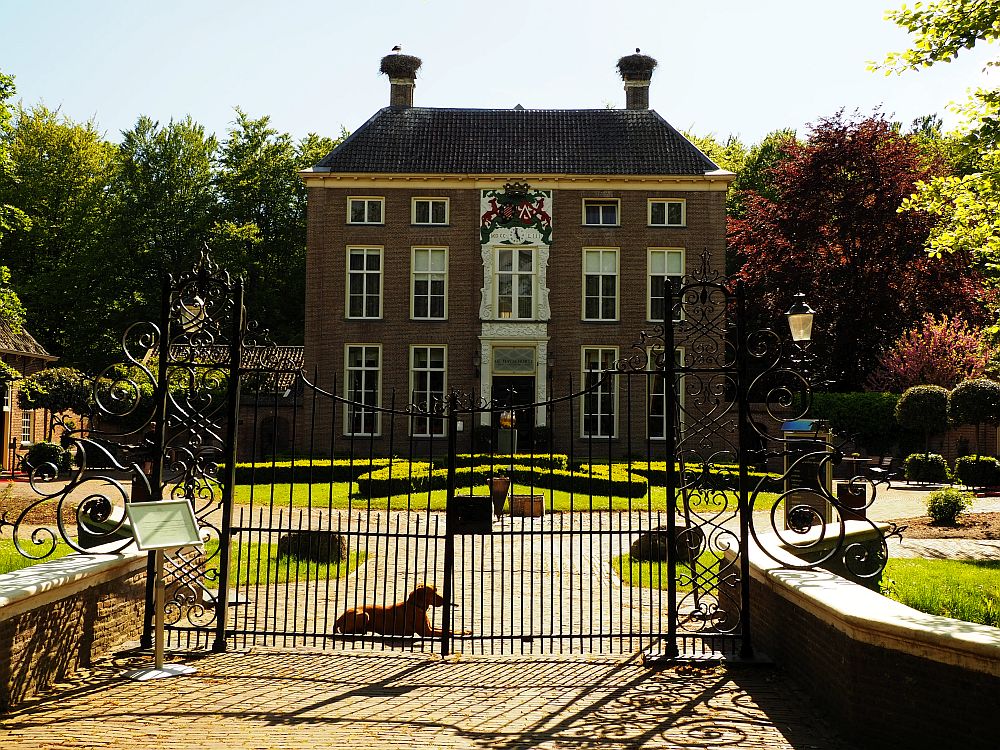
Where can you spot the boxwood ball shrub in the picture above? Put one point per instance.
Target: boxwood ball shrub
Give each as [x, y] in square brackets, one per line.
[944, 506]
[923, 408]
[978, 471]
[925, 467]
[47, 453]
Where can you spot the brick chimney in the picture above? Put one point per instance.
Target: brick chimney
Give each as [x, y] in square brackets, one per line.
[402, 71]
[636, 70]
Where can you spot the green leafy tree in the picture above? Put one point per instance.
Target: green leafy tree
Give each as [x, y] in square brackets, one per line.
[165, 205]
[261, 225]
[923, 408]
[975, 402]
[56, 389]
[967, 205]
[11, 217]
[59, 178]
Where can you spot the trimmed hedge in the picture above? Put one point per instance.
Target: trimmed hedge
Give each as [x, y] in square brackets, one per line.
[541, 460]
[922, 467]
[870, 418]
[706, 476]
[978, 471]
[405, 477]
[286, 472]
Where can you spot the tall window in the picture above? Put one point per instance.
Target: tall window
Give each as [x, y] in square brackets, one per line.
[667, 213]
[599, 401]
[515, 284]
[26, 426]
[429, 283]
[363, 375]
[658, 400]
[665, 265]
[600, 284]
[600, 212]
[364, 282]
[427, 379]
[430, 211]
[364, 210]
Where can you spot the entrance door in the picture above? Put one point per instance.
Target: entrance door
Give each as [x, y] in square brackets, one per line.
[517, 391]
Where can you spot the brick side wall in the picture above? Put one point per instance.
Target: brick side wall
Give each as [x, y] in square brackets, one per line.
[10, 421]
[877, 696]
[40, 646]
[326, 329]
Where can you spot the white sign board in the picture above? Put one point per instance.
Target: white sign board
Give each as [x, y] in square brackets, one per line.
[163, 524]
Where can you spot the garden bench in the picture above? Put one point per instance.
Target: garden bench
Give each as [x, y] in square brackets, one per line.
[882, 470]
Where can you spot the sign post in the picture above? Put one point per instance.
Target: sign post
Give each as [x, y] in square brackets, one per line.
[158, 526]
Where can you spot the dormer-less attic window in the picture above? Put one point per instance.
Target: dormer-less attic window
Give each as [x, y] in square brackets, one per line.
[364, 210]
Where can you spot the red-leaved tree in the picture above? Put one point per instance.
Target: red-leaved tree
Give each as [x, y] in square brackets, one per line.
[832, 230]
[936, 352]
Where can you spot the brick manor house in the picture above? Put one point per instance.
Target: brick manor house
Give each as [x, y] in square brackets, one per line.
[496, 251]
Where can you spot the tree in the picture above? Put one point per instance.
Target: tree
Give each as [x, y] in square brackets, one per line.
[59, 178]
[833, 231]
[975, 402]
[56, 389]
[967, 204]
[924, 408]
[165, 205]
[11, 217]
[261, 227]
[936, 352]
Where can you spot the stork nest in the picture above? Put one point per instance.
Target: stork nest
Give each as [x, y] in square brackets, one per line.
[636, 67]
[400, 66]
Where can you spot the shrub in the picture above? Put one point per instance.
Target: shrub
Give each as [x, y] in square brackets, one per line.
[944, 506]
[57, 389]
[978, 471]
[868, 418]
[44, 453]
[975, 402]
[923, 408]
[286, 472]
[925, 467]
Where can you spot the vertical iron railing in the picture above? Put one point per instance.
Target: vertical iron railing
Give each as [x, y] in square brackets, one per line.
[745, 428]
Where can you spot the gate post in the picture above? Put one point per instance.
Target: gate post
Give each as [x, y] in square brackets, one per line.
[449, 531]
[229, 456]
[668, 370]
[744, 432]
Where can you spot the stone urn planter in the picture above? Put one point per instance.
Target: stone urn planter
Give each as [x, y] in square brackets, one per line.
[499, 487]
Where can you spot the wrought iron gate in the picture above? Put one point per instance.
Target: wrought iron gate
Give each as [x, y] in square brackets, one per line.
[625, 526]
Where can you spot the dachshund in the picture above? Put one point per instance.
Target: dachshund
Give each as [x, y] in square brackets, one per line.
[405, 618]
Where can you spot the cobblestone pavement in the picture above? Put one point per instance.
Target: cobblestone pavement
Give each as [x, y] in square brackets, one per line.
[274, 699]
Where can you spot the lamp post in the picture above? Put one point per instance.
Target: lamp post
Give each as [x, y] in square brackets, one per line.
[800, 320]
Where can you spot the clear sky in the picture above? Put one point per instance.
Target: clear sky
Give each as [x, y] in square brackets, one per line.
[726, 66]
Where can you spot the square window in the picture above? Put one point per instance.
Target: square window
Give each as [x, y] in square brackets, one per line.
[432, 211]
[364, 210]
[667, 213]
[600, 212]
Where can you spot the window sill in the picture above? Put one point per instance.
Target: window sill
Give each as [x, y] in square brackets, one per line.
[430, 226]
[666, 226]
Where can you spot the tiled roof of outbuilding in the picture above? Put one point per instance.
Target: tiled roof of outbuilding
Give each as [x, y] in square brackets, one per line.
[418, 140]
[21, 343]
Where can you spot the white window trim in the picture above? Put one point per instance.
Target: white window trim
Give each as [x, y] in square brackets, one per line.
[583, 399]
[347, 281]
[347, 392]
[379, 198]
[618, 211]
[651, 366]
[583, 282]
[649, 212]
[27, 426]
[444, 387]
[535, 282]
[413, 281]
[430, 213]
[649, 277]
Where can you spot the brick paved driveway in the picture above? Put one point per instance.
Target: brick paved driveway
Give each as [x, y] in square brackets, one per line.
[274, 699]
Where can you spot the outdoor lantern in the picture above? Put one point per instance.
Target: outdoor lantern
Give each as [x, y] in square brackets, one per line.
[800, 319]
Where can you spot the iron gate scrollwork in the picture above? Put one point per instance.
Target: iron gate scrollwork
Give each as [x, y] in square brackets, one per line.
[632, 494]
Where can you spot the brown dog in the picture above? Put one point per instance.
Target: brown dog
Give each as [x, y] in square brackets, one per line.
[405, 618]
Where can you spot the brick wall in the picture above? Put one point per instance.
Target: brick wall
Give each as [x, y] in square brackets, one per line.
[49, 634]
[10, 426]
[881, 685]
[329, 235]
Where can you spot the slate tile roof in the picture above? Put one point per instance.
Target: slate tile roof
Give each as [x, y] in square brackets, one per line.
[21, 343]
[517, 141]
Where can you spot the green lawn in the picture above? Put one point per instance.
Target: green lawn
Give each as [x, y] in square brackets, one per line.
[258, 564]
[654, 575]
[964, 590]
[336, 496]
[11, 559]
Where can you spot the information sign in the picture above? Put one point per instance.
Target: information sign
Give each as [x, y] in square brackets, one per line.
[163, 524]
